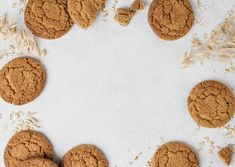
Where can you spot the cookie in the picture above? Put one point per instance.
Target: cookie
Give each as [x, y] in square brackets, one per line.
[37, 162]
[84, 12]
[21, 80]
[123, 16]
[47, 19]
[211, 104]
[174, 154]
[226, 155]
[25, 145]
[137, 5]
[84, 155]
[170, 19]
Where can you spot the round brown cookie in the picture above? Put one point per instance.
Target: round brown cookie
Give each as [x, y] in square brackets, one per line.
[84, 155]
[47, 19]
[211, 104]
[37, 162]
[84, 12]
[170, 19]
[21, 80]
[174, 154]
[25, 145]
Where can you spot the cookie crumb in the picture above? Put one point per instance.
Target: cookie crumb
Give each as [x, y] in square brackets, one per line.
[136, 157]
[123, 16]
[137, 5]
[225, 154]
[13, 5]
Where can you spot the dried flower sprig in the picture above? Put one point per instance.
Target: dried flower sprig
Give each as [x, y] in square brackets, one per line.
[21, 41]
[220, 46]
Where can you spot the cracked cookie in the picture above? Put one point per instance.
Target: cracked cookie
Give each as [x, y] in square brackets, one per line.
[47, 19]
[226, 155]
[123, 16]
[21, 80]
[84, 12]
[84, 155]
[174, 154]
[37, 162]
[211, 104]
[25, 145]
[170, 19]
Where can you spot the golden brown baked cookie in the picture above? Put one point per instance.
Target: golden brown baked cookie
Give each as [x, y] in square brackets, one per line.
[84, 12]
[21, 80]
[211, 104]
[137, 5]
[170, 19]
[37, 162]
[226, 155]
[123, 16]
[47, 19]
[174, 154]
[25, 145]
[84, 155]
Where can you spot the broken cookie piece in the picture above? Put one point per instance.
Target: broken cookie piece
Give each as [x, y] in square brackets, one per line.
[84, 12]
[123, 16]
[225, 154]
[137, 5]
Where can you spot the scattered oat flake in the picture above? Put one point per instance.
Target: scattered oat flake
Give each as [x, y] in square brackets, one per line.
[16, 121]
[199, 5]
[207, 144]
[229, 131]
[21, 41]
[13, 5]
[114, 5]
[23, 121]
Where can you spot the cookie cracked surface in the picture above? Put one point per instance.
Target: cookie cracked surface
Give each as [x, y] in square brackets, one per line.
[123, 16]
[84, 12]
[225, 154]
[25, 145]
[37, 162]
[170, 19]
[174, 154]
[137, 5]
[47, 19]
[84, 155]
[21, 80]
[211, 104]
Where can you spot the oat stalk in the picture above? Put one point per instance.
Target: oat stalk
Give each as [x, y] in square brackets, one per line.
[219, 47]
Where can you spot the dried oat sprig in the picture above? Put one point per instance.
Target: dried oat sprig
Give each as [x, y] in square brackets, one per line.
[219, 47]
[21, 41]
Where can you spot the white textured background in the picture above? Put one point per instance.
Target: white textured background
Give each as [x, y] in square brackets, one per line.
[121, 88]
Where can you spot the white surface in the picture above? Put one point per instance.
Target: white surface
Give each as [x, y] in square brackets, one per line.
[121, 88]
